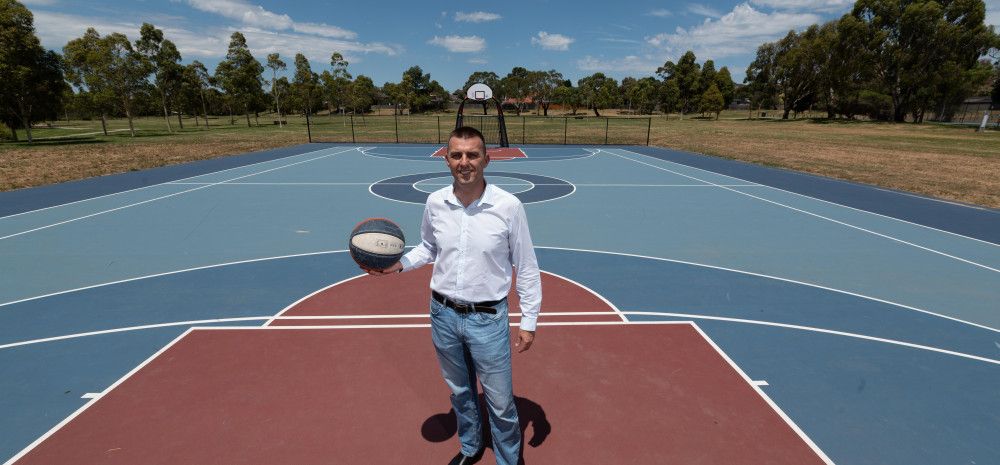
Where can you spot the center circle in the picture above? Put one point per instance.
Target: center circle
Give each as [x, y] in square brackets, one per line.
[529, 188]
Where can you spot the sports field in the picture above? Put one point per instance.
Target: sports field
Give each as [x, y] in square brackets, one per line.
[695, 309]
[946, 162]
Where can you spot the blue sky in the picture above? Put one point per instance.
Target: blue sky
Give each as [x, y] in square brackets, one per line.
[450, 40]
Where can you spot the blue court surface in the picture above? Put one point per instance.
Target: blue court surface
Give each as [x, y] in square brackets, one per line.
[870, 317]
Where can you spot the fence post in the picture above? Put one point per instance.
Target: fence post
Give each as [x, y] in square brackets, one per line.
[352, 129]
[649, 127]
[308, 128]
[607, 122]
[395, 120]
[439, 129]
[565, 128]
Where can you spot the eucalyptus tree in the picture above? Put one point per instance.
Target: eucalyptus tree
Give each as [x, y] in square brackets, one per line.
[239, 75]
[274, 62]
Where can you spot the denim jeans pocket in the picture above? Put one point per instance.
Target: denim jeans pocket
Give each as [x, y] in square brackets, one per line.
[436, 307]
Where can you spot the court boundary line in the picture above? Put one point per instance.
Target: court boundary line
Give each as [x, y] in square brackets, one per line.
[696, 316]
[778, 278]
[337, 184]
[162, 183]
[817, 215]
[431, 157]
[832, 202]
[169, 195]
[310, 295]
[569, 249]
[741, 374]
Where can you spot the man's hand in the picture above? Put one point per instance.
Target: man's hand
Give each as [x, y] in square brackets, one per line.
[524, 340]
[395, 268]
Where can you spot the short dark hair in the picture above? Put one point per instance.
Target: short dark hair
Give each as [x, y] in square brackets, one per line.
[468, 132]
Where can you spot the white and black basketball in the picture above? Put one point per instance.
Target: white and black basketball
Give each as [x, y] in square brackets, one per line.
[377, 243]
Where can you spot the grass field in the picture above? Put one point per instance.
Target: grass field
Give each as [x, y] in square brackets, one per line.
[948, 162]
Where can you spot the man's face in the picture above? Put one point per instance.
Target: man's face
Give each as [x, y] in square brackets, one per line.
[467, 158]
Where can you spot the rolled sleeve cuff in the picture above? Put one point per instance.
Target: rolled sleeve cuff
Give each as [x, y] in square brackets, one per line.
[528, 323]
[406, 263]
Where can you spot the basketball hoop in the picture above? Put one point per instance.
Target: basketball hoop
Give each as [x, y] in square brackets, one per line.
[492, 126]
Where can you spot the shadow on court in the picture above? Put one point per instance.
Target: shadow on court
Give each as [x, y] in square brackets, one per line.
[443, 426]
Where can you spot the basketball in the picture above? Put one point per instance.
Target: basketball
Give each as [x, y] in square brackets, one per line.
[376, 243]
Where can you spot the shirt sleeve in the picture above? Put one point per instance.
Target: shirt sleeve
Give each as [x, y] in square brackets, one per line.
[426, 251]
[529, 283]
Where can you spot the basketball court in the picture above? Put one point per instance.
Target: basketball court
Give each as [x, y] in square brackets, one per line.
[695, 310]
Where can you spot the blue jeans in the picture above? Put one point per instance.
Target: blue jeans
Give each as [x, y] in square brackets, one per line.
[472, 344]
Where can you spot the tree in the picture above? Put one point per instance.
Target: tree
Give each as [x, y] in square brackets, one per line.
[568, 96]
[82, 57]
[910, 43]
[643, 94]
[164, 63]
[541, 85]
[711, 101]
[419, 92]
[274, 62]
[516, 85]
[707, 78]
[31, 78]
[336, 83]
[203, 81]
[362, 93]
[305, 84]
[670, 96]
[687, 73]
[239, 75]
[798, 67]
[598, 91]
[395, 95]
[724, 81]
[760, 77]
[109, 69]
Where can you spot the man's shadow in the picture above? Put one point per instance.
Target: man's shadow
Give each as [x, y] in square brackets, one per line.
[442, 426]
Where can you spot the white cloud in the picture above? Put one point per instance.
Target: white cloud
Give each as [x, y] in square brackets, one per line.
[257, 16]
[703, 10]
[325, 30]
[737, 32]
[552, 41]
[660, 13]
[460, 44]
[251, 15]
[478, 61]
[476, 17]
[56, 29]
[806, 5]
[619, 66]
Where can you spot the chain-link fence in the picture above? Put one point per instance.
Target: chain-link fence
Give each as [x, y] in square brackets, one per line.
[583, 130]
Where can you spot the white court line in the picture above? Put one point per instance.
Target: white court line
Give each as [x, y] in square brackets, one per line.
[167, 273]
[886, 236]
[80, 410]
[777, 278]
[163, 183]
[760, 383]
[307, 297]
[448, 184]
[268, 320]
[838, 204]
[169, 195]
[802, 434]
[815, 330]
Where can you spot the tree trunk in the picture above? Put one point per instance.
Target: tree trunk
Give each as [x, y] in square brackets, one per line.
[232, 119]
[545, 109]
[247, 113]
[128, 114]
[166, 114]
[27, 127]
[179, 121]
[104, 123]
[277, 104]
[785, 114]
[204, 108]
[596, 113]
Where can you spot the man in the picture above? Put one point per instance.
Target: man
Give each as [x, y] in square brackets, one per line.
[475, 233]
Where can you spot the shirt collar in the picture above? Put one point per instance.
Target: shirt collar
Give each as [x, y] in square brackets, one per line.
[488, 197]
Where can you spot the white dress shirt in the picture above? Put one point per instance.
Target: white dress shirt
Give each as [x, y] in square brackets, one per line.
[473, 249]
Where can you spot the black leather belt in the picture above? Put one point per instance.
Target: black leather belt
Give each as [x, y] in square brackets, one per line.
[486, 306]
